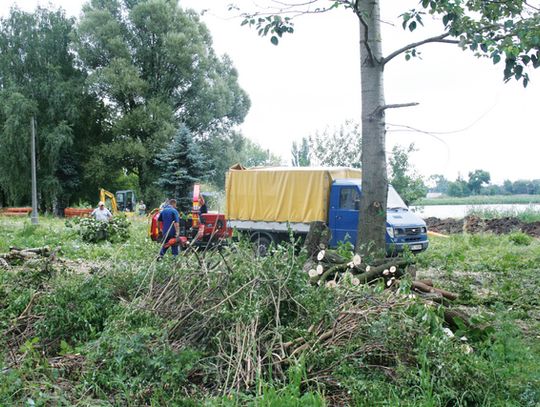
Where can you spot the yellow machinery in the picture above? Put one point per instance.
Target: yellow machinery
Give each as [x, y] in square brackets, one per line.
[122, 201]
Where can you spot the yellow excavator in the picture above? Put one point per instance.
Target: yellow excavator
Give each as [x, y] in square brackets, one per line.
[122, 201]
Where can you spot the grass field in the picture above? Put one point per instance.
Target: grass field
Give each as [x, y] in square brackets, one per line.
[107, 325]
[481, 200]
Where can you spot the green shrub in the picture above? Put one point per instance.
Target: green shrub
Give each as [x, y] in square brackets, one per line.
[134, 363]
[75, 311]
[92, 230]
[520, 238]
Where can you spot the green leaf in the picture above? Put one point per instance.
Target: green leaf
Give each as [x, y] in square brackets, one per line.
[412, 26]
[496, 59]
[274, 40]
[518, 71]
[445, 20]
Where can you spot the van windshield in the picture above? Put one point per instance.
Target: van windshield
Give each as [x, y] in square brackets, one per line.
[394, 200]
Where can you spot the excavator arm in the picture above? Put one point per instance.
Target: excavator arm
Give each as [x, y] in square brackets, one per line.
[104, 195]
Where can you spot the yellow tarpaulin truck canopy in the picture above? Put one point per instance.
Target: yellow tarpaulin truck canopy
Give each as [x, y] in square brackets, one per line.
[281, 194]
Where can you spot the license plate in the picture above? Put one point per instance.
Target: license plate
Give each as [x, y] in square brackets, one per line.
[416, 247]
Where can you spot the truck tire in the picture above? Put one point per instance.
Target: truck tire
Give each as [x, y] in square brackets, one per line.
[261, 243]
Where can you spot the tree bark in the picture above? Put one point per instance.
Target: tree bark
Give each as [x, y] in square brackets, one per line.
[372, 220]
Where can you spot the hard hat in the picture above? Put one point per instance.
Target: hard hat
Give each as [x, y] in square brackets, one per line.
[100, 203]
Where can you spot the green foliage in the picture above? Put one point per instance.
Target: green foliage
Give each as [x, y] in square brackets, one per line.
[483, 200]
[146, 333]
[181, 165]
[253, 155]
[140, 56]
[135, 363]
[223, 151]
[38, 77]
[75, 311]
[93, 231]
[476, 179]
[300, 154]
[337, 148]
[459, 188]
[520, 239]
[507, 32]
[441, 183]
[403, 178]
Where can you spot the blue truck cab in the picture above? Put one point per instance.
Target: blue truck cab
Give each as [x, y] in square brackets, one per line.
[403, 228]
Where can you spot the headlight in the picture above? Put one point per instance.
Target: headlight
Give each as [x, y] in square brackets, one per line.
[423, 230]
[390, 232]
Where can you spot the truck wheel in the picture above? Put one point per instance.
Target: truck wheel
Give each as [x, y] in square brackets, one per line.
[261, 244]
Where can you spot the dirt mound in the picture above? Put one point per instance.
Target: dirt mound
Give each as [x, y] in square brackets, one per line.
[532, 229]
[474, 224]
[448, 225]
[503, 225]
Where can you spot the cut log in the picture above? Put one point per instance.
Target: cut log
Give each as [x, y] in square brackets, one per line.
[419, 286]
[376, 272]
[43, 251]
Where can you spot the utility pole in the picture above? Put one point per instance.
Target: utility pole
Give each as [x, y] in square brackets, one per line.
[34, 180]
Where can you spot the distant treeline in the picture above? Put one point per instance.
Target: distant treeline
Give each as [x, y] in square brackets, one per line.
[478, 183]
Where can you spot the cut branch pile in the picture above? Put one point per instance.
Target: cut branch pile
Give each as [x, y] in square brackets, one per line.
[255, 322]
[17, 255]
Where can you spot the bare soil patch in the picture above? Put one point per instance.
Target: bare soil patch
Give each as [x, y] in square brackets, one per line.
[474, 224]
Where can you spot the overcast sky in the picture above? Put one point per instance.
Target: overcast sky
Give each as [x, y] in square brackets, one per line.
[312, 81]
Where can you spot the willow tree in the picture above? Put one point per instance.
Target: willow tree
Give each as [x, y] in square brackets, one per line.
[39, 77]
[507, 31]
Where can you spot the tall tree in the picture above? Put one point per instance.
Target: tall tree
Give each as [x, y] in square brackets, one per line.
[181, 164]
[300, 153]
[477, 179]
[507, 30]
[153, 65]
[38, 78]
[459, 188]
[441, 183]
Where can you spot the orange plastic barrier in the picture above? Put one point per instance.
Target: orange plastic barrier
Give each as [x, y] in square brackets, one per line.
[77, 212]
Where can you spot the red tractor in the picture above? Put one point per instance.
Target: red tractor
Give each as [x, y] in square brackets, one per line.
[199, 229]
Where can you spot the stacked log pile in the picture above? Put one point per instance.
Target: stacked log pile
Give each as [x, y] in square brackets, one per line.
[16, 255]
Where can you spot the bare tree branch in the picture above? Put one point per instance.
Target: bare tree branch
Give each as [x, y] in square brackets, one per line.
[439, 38]
[381, 109]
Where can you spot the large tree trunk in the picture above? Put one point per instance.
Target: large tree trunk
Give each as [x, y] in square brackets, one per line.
[372, 221]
